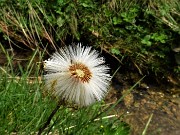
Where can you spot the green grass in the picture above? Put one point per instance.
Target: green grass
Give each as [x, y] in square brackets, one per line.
[25, 107]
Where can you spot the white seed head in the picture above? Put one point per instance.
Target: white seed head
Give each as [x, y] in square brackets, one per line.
[77, 74]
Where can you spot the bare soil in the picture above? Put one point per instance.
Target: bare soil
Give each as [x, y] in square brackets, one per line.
[162, 101]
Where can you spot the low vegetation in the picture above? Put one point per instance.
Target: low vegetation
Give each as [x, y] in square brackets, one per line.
[144, 33]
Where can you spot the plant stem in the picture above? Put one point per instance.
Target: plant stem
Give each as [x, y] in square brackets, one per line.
[49, 118]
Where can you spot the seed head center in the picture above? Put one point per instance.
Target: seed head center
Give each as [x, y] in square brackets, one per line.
[81, 72]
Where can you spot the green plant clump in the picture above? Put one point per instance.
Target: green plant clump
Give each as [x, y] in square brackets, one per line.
[142, 32]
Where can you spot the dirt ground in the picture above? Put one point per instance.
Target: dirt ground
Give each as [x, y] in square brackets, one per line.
[163, 103]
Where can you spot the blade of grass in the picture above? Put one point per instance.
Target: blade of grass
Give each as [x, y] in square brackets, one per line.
[147, 124]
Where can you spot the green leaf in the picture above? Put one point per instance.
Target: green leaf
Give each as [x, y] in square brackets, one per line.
[60, 22]
[117, 20]
[115, 51]
[146, 41]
